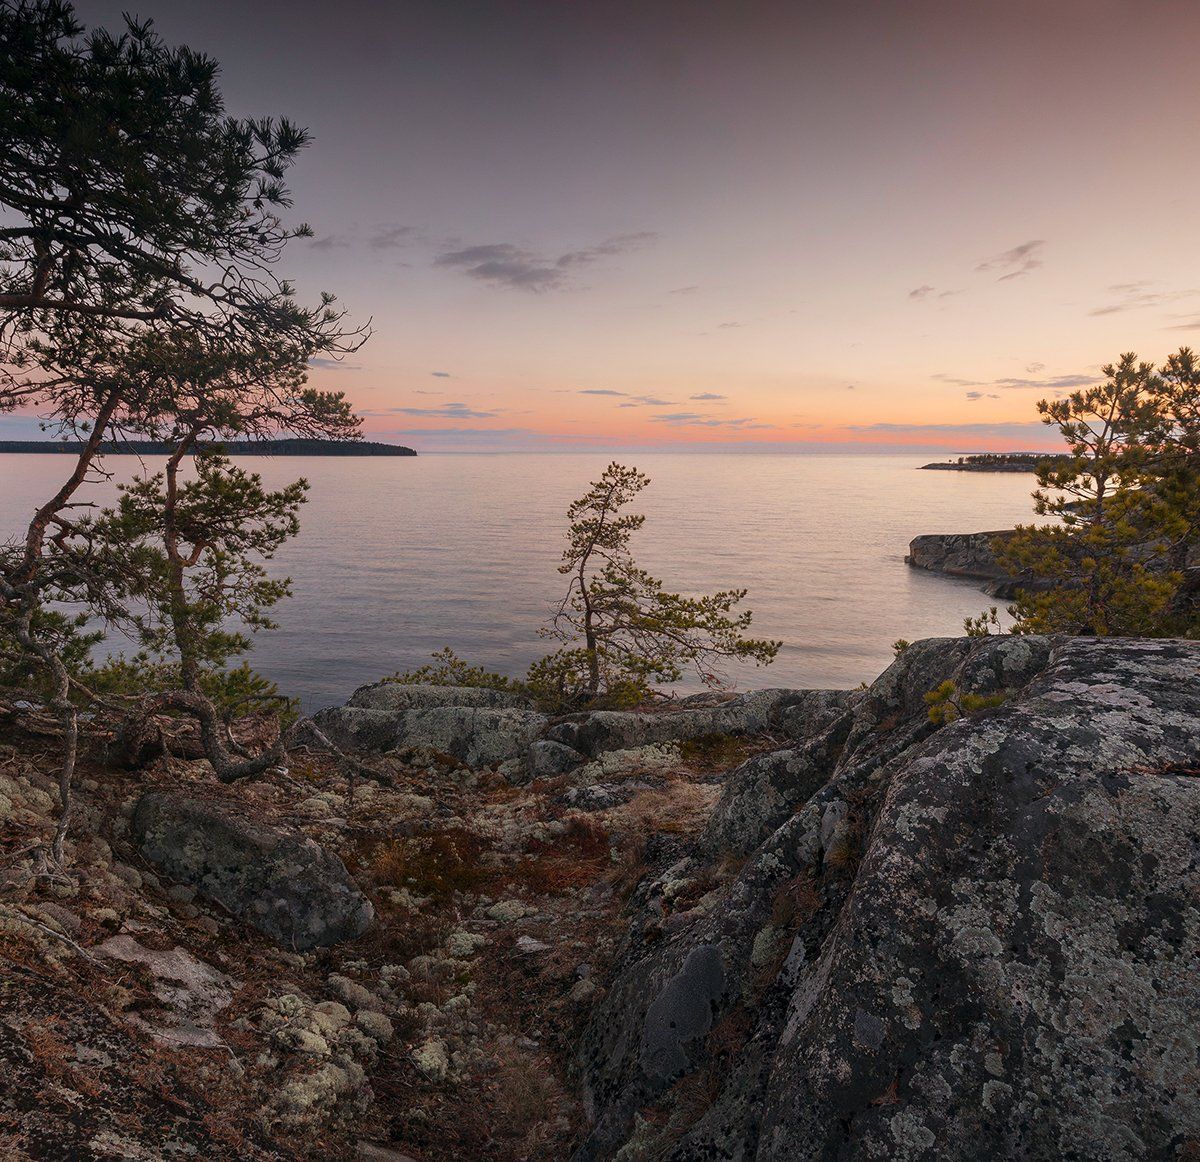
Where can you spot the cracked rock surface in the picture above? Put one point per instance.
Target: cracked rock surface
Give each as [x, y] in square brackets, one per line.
[979, 940]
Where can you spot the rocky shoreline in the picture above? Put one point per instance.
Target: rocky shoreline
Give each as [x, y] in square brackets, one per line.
[787, 924]
[970, 556]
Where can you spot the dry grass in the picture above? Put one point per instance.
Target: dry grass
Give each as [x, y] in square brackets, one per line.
[796, 902]
[677, 809]
[579, 857]
[437, 864]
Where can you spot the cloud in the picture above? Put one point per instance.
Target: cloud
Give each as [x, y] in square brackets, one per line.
[446, 411]
[388, 237]
[1136, 296]
[333, 364]
[1034, 368]
[921, 292]
[330, 242]
[684, 290]
[1047, 383]
[705, 395]
[1054, 381]
[459, 432]
[440, 374]
[976, 395]
[1012, 429]
[698, 419]
[618, 244]
[503, 264]
[634, 400]
[1190, 325]
[729, 326]
[1014, 263]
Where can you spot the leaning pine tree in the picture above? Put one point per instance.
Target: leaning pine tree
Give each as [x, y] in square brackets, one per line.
[139, 221]
[622, 632]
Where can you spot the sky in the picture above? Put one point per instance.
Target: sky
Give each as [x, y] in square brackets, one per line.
[745, 225]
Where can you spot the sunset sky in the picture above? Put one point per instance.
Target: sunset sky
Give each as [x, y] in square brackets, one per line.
[740, 224]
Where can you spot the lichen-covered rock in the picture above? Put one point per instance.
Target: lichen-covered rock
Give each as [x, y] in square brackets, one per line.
[479, 736]
[394, 696]
[813, 712]
[287, 886]
[970, 555]
[866, 729]
[547, 758]
[983, 944]
[598, 731]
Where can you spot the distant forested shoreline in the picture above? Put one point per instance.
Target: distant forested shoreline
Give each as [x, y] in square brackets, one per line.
[229, 448]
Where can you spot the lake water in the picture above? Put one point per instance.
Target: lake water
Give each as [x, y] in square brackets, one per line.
[401, 556]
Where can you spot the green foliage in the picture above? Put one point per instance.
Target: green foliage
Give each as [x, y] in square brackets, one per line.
[1124, 506]
[448, 669]
[234, 691]
[67, 636]
[621, 630]
[946, 703]
[900, 645]
[560, 682]
[132, 198]
[191, 555]
[984, 624]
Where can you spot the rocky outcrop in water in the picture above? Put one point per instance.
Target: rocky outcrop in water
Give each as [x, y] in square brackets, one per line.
[978, 940]
[968, 555]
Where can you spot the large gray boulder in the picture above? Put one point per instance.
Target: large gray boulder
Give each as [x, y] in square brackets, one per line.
[394, 696]
[489, 727]
[863, 729]
[282, 883]
[598, 731]
[477, 736]
[985, 944]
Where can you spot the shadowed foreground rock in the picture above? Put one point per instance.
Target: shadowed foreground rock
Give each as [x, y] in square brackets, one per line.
[975, 941]
[287, 886]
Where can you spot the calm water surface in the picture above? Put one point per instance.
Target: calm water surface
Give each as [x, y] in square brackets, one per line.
[399, 557]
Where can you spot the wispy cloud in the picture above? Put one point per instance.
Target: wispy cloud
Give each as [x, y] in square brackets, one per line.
[440, 374]
[1019, 436]
[1014, 263]
[460, 432]
[445, 411]
[388, 236]
[1054, 381]
[701, 420]
[921, 292]
[505, 264]
[1135, 296]
[729, 326]
[330, 242]
[634, 400]
[977, 395]
[956, 381]
[1045, 383]
[333, 364]
[707, 395]
[684, 290]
